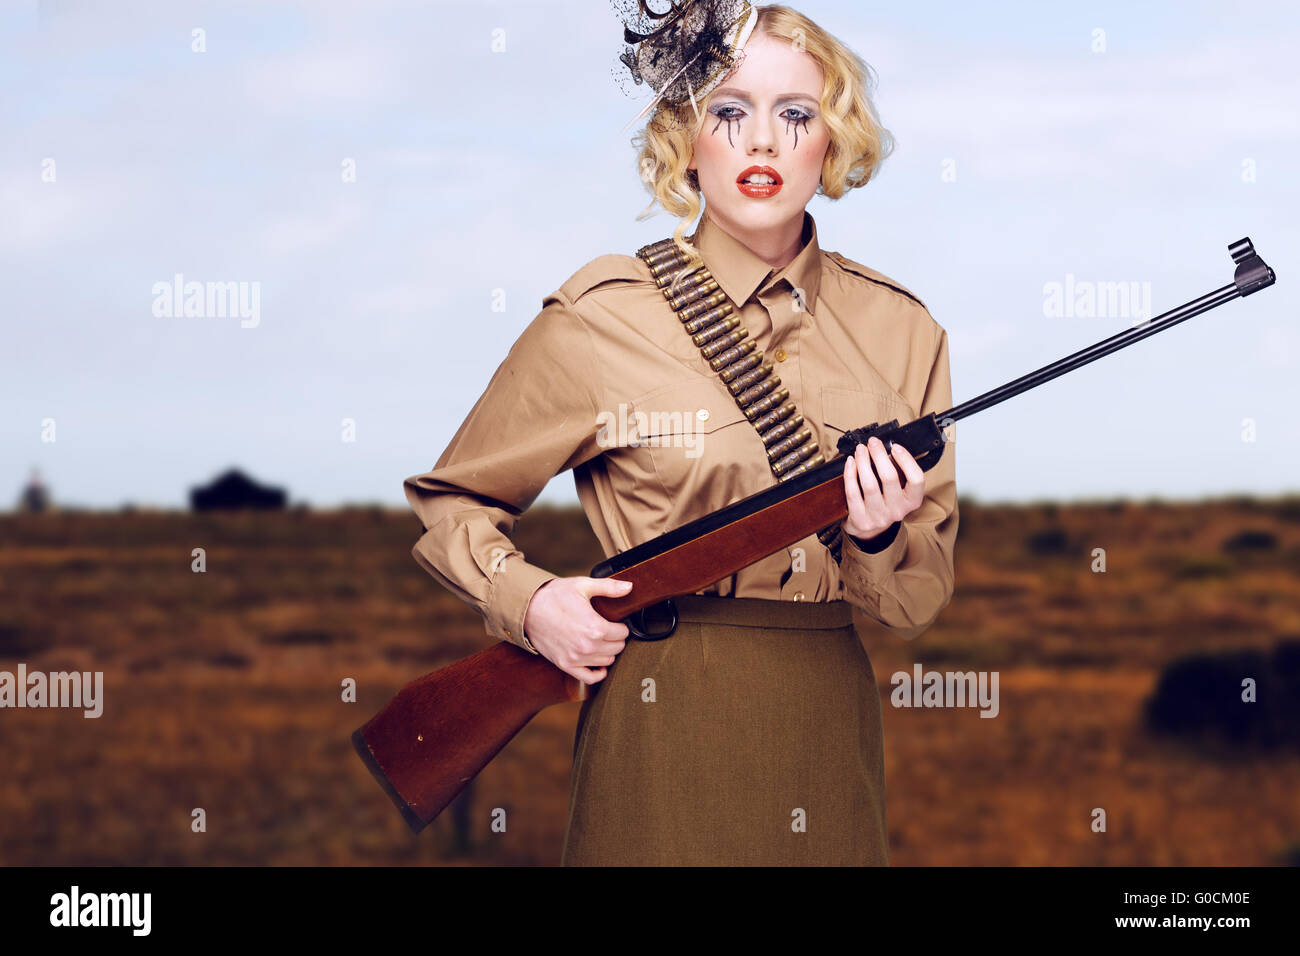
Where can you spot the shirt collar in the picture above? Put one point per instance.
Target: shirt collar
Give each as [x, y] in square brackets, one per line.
[740, 272]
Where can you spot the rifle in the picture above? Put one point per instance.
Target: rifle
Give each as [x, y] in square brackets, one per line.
[439, 731]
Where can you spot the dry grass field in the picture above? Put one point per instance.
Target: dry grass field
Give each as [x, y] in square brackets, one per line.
[223, 690]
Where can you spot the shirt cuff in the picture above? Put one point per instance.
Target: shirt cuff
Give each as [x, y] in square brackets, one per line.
[878, 565]
[513, 586]
[880, 542]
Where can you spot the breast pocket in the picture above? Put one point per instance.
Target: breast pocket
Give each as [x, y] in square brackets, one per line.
[847, 408]
[696, 437]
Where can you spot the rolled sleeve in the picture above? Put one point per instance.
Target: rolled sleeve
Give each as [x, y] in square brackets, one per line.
[536, 419]
[511, 592]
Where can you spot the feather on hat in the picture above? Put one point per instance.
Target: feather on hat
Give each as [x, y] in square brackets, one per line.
[685, 51]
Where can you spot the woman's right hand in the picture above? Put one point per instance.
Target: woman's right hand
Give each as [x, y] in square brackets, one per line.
[568, 632]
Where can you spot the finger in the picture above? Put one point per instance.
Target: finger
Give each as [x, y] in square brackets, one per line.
[913, 471]
[586, 675]
[874, 510]
[590, 654]
[594, 654]
[901, 456]
[880, 505]
[604, 630]
[870, 485]
[853, 491]
[616, 632]
[905, 461]
[884, 468]
[609, 587]
[611, 641]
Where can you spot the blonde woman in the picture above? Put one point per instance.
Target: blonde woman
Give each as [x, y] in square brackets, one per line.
[751, 735]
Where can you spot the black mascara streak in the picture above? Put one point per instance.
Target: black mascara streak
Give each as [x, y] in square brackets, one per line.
[728, 120]
[796, 121]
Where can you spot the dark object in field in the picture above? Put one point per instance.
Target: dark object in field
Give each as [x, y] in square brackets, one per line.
[1251, 540]
[235, 491]
[35, 497]
[1049, 541]
[1199, 698]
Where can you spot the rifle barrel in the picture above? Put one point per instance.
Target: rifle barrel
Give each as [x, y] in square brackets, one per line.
[1252, 274]
[1090, 354]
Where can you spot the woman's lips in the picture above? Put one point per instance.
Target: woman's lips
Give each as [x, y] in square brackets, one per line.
[756, 191]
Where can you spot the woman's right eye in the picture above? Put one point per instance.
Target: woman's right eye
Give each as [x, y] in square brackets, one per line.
[720, 112]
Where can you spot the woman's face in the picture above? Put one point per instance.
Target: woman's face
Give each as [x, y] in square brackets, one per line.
[766, 113]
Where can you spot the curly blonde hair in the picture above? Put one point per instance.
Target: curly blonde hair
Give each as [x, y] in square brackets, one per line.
[858, 146]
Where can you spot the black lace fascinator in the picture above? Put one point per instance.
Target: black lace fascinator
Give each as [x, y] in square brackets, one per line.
[682, 51]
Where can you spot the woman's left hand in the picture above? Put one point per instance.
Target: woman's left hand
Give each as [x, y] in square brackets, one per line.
[874, 506]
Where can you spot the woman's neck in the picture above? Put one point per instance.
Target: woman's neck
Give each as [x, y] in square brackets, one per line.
[776, 246]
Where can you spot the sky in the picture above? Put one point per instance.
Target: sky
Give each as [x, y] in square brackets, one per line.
[378, 179]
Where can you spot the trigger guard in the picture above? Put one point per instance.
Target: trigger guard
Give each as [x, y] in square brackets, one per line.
[636, 623]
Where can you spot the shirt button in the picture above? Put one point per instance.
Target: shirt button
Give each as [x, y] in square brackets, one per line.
[702, 414]
[798, 595]
[780, 355]
[508, 632]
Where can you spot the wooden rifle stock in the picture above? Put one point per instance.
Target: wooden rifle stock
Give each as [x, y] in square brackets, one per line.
[442, 729]
[439, 731]
[431, 739]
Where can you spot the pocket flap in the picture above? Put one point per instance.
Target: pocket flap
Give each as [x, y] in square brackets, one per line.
[696, 405]
[845, 408]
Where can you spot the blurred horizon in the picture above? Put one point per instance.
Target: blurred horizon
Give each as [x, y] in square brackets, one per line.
[1228, 498]
[13, 505]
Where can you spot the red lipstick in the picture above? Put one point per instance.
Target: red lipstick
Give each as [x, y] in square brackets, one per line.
[760, 190]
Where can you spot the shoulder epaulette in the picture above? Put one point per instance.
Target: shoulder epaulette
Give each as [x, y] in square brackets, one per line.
[602, 270]
[879, 278]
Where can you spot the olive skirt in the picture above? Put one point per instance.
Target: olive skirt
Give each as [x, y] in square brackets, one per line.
[750, 736]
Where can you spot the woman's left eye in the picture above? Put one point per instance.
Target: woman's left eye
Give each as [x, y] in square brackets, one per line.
[802, 115]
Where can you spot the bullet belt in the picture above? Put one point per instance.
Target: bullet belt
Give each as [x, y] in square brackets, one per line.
[714, 326]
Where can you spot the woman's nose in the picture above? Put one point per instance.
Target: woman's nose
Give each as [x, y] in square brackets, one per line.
[762, 136]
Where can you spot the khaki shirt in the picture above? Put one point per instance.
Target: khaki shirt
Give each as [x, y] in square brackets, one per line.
[605, 381]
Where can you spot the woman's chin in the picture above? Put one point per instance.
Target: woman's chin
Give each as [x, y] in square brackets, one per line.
[757, 214]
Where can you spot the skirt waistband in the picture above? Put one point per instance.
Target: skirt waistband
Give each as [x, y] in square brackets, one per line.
[763, 612]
